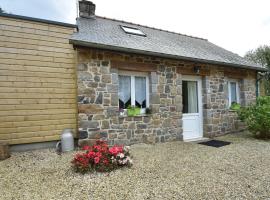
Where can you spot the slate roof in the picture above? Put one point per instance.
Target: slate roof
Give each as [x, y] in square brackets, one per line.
[105, 33]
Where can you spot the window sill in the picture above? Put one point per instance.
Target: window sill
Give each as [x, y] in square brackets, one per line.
[135, 116]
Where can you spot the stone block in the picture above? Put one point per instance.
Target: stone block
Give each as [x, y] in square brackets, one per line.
[90, 109]
[166, 123]
[104, 70]
[154, 99]
[114, 78]
[84, 76]
[155, 108]
[83, 134]
[112, 88]
[154, 78]
[97, 134]
[129, 134]
[97, 78]
[82, 67]
[88, 124]
[167, 89]
[105, 63]
[141, 126]
[162, 139]
[106, 78]
[105, 124]
[121, 142]
[99, 98]
[98, 117]
[86, 142]
[112, 111]
[131, 125]
[146, 119]
[114, 99]
[92, 84]
[149, 139]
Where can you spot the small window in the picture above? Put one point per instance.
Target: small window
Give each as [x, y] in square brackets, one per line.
[134, 31]
[133, 90]
[233, 92]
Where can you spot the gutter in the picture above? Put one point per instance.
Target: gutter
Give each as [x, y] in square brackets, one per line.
[162, 55]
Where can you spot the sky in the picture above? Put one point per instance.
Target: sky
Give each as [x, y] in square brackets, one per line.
[236, 25]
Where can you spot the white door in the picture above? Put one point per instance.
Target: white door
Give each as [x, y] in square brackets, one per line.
[192, 107]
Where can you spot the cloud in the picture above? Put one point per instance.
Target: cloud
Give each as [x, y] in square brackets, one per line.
[57, 10]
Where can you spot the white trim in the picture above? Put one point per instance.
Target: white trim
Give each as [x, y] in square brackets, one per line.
[237, 91]
[132, 90]
[198, 79]
[132, 84]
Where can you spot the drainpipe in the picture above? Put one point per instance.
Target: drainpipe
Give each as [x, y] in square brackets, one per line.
[259, 76]
[257, 83]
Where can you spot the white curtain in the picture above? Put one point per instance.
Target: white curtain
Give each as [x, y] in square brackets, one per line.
[192, 97]
[233, 92]
[140, 89]
[124, 88]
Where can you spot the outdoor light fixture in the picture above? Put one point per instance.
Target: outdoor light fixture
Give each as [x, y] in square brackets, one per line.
[196, 69]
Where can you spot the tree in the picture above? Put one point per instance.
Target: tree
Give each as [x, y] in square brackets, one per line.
[261, 56]
[1, 10]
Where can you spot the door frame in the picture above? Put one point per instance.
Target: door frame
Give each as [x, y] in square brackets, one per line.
[198, 79]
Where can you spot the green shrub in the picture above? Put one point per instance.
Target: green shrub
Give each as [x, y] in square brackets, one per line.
[257, 117]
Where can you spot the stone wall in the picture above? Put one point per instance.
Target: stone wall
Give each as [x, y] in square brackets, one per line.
[98, 103]
[218, 118]
[98, 98]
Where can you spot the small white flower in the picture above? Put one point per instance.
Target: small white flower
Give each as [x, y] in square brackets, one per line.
[126, 149]
[121, 155]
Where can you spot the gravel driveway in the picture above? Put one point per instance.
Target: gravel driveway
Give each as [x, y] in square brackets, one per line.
[175, 170]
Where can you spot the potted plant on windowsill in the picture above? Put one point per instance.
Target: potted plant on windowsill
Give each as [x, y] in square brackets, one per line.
[133, 110]
[235, 106]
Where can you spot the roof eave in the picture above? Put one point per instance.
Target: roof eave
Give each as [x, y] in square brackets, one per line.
[38, 20]
[163, 55]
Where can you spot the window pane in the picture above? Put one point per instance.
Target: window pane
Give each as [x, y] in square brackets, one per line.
[132, 30]
[190, 97]
[140, 92]
[233, 92]
[124, 91]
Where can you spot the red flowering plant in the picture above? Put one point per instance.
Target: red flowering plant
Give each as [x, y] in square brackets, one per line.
[100, 157]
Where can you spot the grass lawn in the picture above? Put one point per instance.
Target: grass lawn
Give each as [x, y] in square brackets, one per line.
[175, 170]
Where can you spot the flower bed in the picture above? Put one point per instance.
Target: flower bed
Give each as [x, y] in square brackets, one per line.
[100, 157]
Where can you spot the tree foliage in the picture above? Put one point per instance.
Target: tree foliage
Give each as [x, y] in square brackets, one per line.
[1, 10]
[261, 56]
[257, 117]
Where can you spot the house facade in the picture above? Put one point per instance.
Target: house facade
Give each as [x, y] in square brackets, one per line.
[92, 77]
[187, 84]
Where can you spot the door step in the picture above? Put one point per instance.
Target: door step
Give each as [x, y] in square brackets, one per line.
[201, 139]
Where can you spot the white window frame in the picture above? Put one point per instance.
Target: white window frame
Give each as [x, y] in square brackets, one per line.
[133, 30]
[132, 84]
[237, 91]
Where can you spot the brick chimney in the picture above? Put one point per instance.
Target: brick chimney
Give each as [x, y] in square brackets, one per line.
[87, 9]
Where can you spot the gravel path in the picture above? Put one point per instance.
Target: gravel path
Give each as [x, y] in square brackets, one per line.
[175, 170]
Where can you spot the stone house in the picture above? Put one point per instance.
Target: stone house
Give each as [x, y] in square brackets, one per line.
[187, 83]
[55, 75]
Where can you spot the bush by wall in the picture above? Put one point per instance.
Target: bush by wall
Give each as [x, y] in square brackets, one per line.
[257, 117]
